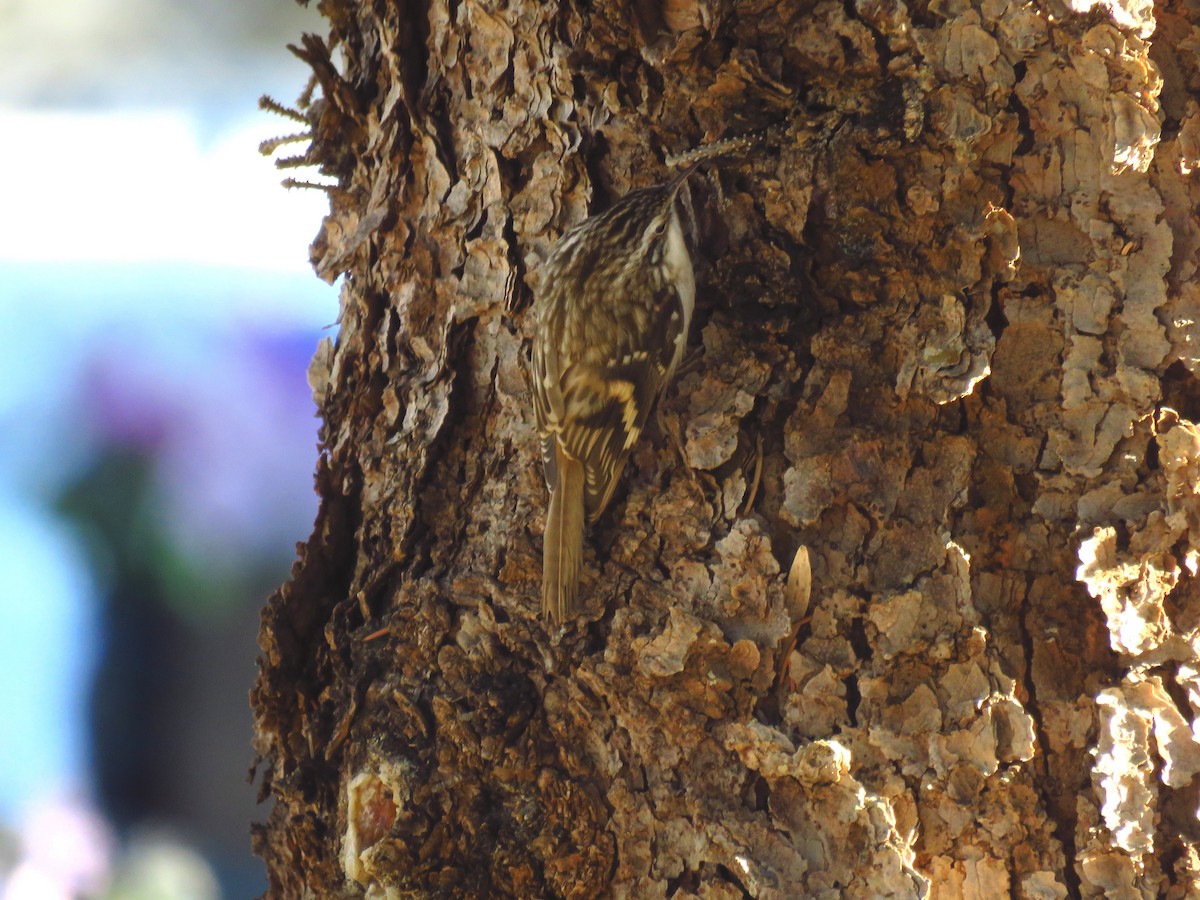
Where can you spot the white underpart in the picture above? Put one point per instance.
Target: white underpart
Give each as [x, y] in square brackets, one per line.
[679, 263]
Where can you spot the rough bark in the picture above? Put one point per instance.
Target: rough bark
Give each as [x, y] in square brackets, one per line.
[947, 326]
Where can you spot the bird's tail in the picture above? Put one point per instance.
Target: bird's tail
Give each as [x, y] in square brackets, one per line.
[562, 557]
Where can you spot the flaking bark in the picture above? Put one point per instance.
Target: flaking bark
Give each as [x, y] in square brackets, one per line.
[946, 324]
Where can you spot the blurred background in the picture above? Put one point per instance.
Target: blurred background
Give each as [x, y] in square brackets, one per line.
[157, 436]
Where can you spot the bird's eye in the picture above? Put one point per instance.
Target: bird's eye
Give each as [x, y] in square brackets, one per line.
[660, 229]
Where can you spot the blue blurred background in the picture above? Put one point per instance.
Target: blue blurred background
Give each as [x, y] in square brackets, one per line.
[157, 436]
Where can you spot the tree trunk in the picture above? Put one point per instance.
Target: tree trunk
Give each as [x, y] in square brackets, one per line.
[947, 325]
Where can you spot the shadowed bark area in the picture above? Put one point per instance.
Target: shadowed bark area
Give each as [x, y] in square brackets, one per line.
[945, 341]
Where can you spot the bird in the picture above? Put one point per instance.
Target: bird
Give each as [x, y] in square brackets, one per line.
[613, 311]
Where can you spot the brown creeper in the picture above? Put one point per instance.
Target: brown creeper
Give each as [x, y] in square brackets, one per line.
[613, 314]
